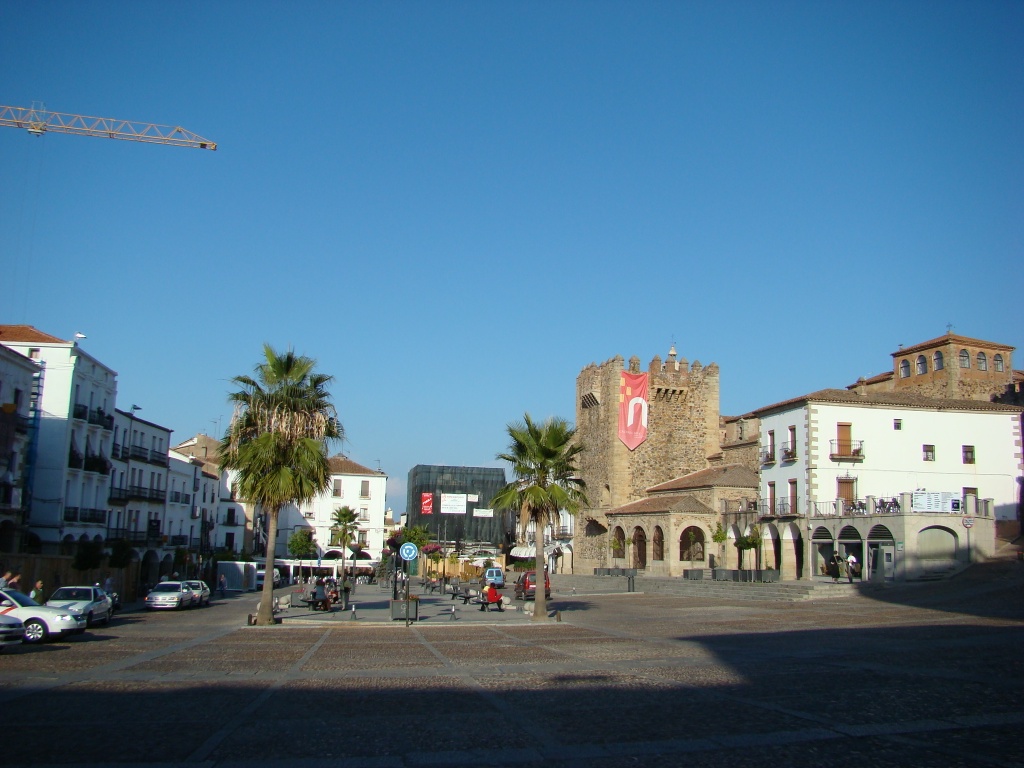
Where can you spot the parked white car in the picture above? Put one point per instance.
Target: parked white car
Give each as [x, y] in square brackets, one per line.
[12, 631]
[170, 595]
[200, 592]
[91, 602]
[41, 621]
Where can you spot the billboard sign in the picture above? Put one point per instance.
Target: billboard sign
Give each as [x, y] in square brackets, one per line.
[426, 503]
[453, 503]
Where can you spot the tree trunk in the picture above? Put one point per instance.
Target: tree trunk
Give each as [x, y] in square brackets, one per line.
[265, 616]
[540, 601]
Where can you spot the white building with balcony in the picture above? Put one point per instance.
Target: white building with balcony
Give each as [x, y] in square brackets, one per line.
[908, 484]
[361, 489]
[19, 378]
[72, 465]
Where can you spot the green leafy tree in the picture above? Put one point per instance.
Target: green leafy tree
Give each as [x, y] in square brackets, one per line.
[277, 442]
[345, 528]
[720, 535]
[301, 545]
[88, 556]
[543, 462]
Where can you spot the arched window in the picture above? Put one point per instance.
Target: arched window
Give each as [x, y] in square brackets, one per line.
[982, 362]
[997, 362]
[618, 543]
[922, 364]
[658, 546]
[691, 544]
[938, 362]
[904, 369]
[965, 358]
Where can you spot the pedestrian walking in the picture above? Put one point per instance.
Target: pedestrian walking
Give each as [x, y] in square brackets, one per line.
[222, 585]
[851, 566]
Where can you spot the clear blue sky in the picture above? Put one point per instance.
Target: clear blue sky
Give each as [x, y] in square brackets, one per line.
[455, 206]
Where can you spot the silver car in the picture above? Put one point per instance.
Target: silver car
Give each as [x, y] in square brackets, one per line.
[91, 602]
[170, 595]
[200, 592]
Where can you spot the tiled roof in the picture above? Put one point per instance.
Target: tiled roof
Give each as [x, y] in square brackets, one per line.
[668, 502]
[898, 399]
[950, 338]
[342, 465]
[27, 333]
[728, 475]
[876, 379]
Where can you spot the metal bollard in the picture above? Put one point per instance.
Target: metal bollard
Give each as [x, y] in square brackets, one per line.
[353, 612]
[451, 616]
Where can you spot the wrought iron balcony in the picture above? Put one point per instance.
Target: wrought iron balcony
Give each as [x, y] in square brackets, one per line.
[767, 455]
[118, 496]
[846, 450]
[92, 516]
[80, 412]
[70, 514]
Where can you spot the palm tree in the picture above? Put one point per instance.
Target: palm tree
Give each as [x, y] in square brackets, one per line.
[542, 457]
[343, 533]
[277, 442]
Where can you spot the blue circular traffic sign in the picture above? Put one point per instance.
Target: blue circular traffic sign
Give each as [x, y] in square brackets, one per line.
[408, 551]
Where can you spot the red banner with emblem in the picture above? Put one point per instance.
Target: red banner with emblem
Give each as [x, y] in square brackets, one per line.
[426, 503]
[633, 409]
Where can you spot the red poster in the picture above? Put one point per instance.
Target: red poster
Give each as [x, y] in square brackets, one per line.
[426, 503]
[633, 409]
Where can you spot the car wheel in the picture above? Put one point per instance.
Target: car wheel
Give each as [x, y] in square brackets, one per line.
[88, 619]
[110, 615]
[35, 631]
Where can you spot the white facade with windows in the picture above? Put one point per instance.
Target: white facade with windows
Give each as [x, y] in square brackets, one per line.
[849, 472]
[361, 489]
[17, 382]
[74, 441]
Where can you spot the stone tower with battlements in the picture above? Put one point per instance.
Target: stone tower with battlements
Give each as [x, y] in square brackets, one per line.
[682, 432]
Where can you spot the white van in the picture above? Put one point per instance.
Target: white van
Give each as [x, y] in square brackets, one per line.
[495, 576]
[261, 575]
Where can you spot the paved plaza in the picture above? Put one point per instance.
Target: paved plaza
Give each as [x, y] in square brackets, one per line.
[916, 675]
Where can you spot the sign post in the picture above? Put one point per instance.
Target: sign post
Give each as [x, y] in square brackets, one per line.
[408, 551]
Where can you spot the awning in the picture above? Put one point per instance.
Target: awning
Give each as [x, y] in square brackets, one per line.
[530, 550]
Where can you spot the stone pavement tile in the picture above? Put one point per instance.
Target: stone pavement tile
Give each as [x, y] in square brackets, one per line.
[697, 675]
[381, 634]
[999, 743]
[557, 631]
[340, 657]
[271, 636]
[443, 695]
[495, 651]
[624, 649]
[869, 697]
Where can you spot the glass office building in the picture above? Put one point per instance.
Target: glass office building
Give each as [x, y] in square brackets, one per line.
[453, 503]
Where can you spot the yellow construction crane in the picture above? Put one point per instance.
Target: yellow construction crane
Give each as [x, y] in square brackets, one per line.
[38, 121]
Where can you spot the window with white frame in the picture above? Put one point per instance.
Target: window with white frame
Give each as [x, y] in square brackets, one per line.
[922, 364]
[904, 369]
[929, 452]
[982, 362]
[965, 358]
[938, 361]
[997, 363]
[364, 489]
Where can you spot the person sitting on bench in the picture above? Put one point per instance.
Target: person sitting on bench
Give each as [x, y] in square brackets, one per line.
[490, 597]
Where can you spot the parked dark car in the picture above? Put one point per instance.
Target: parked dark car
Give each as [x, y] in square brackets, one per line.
[526, 585]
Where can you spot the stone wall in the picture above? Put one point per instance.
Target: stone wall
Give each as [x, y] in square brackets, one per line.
[683, 432]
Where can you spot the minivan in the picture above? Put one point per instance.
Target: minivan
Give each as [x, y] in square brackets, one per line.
[495, 576]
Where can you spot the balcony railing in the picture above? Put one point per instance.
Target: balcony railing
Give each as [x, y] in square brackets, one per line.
[97, 464]
[767, 455]
[562, 532]
[787, 451]
[855, 508]
[179, 541]
[158, 457]
[92, 516]
[846, 450]
[22, 424]
[70, 514]
[140, 453]
[118, 496]
[147, 494]
[80, 412]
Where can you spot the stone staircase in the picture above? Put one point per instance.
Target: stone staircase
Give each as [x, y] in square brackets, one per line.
[568, 585]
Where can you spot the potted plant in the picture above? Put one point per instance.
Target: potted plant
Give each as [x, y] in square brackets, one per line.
[406, 609]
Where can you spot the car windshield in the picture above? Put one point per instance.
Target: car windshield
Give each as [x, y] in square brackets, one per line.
[167, 586]
[23, 600]
[72, 593]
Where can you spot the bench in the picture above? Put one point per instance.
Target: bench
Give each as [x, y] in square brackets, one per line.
[312, 604]
[465, 595]
[486, 606]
